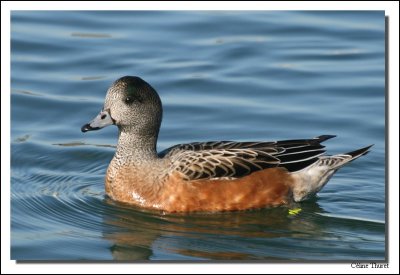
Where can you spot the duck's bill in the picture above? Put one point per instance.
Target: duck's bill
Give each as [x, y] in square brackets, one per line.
[102, 120]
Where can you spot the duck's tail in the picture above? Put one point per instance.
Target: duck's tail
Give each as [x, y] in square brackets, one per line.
[358, 153]
[312, 179]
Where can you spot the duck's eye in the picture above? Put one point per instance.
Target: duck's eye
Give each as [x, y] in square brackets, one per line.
[128, 100]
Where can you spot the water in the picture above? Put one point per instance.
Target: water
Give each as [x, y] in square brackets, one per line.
[221, 76]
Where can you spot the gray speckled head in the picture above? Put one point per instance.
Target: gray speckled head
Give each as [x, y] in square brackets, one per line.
[131, 104]
[134, 106]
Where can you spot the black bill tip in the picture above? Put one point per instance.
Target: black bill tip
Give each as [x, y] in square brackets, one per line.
[87, 127]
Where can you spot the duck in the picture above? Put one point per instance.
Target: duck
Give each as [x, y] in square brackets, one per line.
[211, 176]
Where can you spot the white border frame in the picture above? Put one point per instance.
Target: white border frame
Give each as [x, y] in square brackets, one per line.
[391, 9]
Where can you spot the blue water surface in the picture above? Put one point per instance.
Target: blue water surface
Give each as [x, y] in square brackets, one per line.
[252, 76]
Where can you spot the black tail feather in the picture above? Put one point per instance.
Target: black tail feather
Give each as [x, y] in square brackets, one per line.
[359, 152]
[324, 137]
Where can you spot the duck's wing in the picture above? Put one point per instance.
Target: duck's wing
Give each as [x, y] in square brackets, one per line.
[208, 160]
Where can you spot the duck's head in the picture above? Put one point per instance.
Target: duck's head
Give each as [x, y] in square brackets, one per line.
[131, 104]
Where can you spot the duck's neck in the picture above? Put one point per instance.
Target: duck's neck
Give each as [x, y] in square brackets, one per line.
[133, 167]
[136, 147]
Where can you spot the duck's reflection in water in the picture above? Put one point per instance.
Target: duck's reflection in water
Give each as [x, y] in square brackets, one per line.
[137, 234]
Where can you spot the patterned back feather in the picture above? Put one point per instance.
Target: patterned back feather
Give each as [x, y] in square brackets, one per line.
[208, 160]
